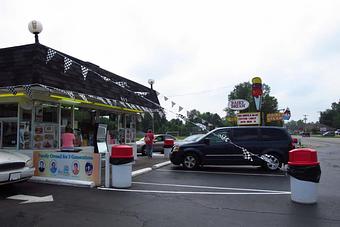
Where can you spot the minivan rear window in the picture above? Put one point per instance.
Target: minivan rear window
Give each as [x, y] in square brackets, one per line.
[242, 134]
[271, 134]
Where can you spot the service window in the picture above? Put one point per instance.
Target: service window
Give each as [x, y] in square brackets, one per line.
[244, 134]
[46, 127]
[8, 125]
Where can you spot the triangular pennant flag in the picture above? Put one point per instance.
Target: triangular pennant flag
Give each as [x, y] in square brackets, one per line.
[151, 114]
[158, 93]
[180, 109]
[108, 102]
[122, 103]
[104, 78]
[101, 99]
[50, 54]
[142, 114]
[12, 90]
[172, 104]
[70, 93]
[47, 88]
[67, 64]
[166, 98]
[84, 71]
[83, 96]
[28, 91]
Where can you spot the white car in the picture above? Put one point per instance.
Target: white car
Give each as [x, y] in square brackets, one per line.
[15, 167]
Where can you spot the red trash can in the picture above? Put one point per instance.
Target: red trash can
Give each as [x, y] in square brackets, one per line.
[121, 160]
[168, 144]
[304, 170]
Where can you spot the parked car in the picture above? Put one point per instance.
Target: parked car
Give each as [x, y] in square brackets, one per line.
[15, 167]
[158, 145]
[337, 132]
[213, 148]
[329, 133]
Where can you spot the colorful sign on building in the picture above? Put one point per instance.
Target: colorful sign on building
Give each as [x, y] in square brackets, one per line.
[84, 166]
[248, 118]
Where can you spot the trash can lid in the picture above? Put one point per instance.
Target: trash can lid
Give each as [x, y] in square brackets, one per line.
[169, 142]
[303, 157]
[121, 151]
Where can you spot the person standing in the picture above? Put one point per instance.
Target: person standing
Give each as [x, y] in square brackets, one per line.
[148, 139]
[68, 139]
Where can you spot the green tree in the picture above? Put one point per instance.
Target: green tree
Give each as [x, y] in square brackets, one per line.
[331, 117]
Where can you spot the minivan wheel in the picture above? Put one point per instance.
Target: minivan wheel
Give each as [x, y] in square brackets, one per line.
[274, 164]
[190, 161]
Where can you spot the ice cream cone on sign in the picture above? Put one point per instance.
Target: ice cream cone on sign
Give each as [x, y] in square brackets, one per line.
[257, 102]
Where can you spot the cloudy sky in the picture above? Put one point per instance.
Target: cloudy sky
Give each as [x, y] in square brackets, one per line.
[197, 51]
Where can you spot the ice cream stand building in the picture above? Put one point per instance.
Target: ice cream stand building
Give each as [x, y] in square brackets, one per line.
[43, 90]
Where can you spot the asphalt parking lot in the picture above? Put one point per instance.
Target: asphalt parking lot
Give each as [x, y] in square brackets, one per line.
[172, 196]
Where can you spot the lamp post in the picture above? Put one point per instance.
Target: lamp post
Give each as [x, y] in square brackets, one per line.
[151, 82]
[35, 27]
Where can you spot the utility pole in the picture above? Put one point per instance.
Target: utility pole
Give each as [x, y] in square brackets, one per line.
[305, 121]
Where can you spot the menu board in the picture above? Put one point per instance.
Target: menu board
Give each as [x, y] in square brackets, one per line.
[45, 136]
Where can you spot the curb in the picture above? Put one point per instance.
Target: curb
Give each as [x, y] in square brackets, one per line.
[141, 171]
[148, 169]
[159, 165]
[67, 182]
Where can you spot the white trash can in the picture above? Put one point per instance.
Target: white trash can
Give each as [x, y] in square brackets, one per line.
[121, 175]
[303, 191]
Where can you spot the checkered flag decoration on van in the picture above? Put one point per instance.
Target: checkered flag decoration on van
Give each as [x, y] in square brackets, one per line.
[247, 155]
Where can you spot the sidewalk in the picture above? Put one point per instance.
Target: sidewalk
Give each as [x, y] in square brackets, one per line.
[141, 165]
[144, 162]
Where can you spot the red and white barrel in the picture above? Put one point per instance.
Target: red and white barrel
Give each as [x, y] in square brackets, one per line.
[121, 160]
[168, 144]
[304, 170]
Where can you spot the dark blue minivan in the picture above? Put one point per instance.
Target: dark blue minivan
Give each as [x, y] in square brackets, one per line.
[223, 146]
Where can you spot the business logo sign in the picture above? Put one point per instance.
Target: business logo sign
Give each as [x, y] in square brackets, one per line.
[248, 118]
[238, 104]
[274, 117]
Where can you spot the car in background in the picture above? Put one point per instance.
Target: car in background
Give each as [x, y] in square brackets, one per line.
[329, 133]
[223, 146]
[337, 132]
[158, 144]
[305, 134]
[15, 167]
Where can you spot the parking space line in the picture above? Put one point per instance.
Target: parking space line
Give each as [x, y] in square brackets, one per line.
[224, 173]
[193, 193]
[210, 187]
